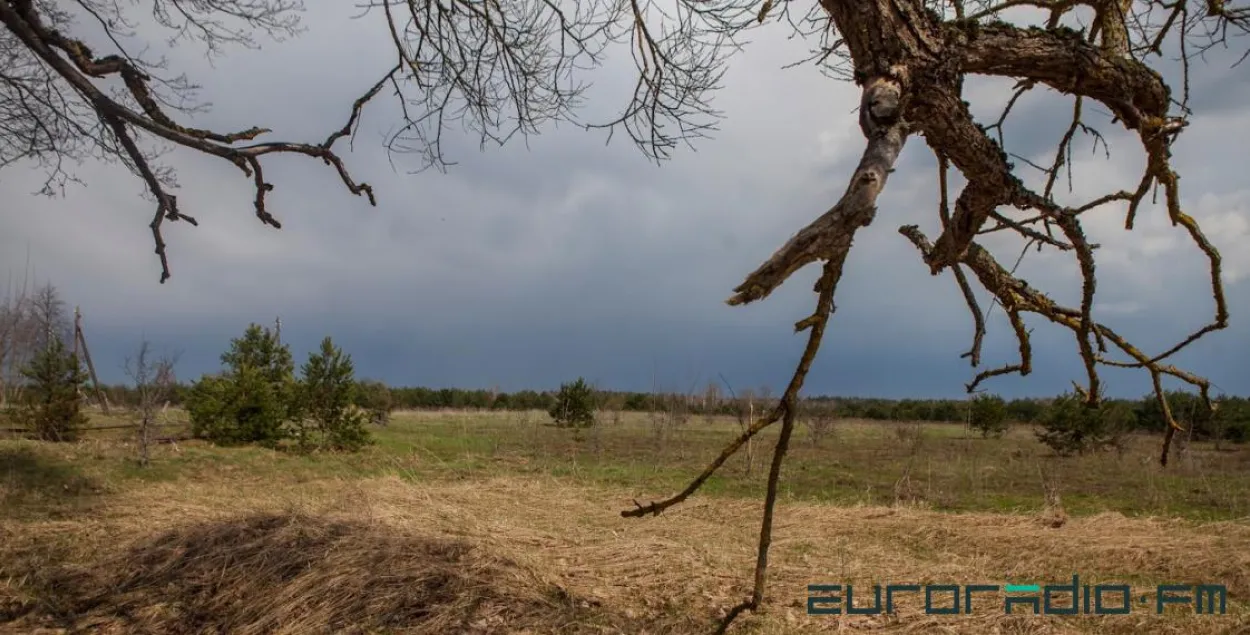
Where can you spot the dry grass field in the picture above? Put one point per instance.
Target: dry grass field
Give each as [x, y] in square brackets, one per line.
[498, 523]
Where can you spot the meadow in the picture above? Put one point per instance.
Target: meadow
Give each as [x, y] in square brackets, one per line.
[487, 522]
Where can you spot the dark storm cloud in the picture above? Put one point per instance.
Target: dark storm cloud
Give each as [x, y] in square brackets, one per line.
[526, 266]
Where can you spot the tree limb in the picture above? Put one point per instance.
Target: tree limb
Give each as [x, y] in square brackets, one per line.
[830, 235]
[1063, 60]
[78, 67]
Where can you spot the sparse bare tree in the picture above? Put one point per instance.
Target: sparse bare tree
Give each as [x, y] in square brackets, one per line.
[13, 309]
[48, 318]
[29, 322]
[711, 402]
[507, 68]
[744, 413]
[820, 420]
[498, 69]
[155, 382]
[669, 412]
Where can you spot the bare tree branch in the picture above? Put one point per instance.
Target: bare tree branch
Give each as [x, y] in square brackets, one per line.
[73, 63]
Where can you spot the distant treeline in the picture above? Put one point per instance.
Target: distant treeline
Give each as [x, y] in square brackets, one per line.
[1232, 420]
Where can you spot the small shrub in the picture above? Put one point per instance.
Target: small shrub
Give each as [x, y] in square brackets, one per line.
[667, 413]
[50, 406]
[574, 406]
[238, 409]
[910, 436]
[154, 382]
[208, 405]
[820, 423]
[375, 398]
[1232, 417]
[252, 401]
[988, 415]
[1070, 426]
[637, 402]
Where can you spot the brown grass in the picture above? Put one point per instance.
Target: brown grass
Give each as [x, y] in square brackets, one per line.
[536, 555]
[459, 523]
[272, 572]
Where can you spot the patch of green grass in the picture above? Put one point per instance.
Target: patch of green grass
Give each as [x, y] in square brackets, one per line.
[944, 467]
[35, 482]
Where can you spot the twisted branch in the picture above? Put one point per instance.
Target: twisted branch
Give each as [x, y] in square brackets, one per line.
[1018, 297]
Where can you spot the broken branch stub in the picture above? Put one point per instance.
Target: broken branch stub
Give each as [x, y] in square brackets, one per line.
[830, 235]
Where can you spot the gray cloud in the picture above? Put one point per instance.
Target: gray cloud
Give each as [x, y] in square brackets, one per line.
[525, 266]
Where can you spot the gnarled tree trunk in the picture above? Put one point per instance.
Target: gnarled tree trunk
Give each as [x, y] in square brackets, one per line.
[910, 63]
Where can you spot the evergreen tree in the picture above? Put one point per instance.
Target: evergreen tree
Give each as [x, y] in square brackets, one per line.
[1070, 426]
[51, 403]
[574, 406]
[328, 395]
[253, 399]
[988, 415]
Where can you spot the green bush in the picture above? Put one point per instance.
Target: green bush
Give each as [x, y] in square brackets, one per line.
[376, 399]
[1186, 407]
[239, 408]
[1232, 419]
[501, 402]
[574, 406]
[253, 400]
[1024, 410]
[1070, 426]
[988, 415]
[946, 410]
[208, 402]
[50, 405]
[637, 402]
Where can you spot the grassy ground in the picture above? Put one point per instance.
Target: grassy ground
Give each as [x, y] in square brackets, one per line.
[522, 521]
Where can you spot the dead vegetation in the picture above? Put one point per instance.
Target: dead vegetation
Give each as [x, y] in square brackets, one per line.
[294, 573]
[535, 555]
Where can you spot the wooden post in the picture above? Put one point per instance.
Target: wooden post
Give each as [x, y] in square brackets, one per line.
[77, 330]
[81, 340]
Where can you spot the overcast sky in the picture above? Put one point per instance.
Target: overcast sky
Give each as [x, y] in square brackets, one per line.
[525, 266]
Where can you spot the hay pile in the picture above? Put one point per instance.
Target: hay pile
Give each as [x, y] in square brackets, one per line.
[295, 573]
